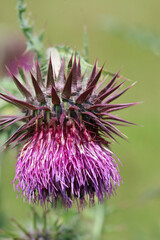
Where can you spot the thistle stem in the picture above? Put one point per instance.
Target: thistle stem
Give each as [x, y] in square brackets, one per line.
[44, 222]
[98, 223]
[34, 42]
[34, 219]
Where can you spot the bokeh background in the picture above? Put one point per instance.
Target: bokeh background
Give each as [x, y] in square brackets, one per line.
[122, 34]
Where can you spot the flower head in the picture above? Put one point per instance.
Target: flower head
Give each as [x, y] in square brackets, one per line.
[67, 128]
[14, 55]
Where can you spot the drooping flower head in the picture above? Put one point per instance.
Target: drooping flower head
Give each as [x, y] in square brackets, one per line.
[67, 128]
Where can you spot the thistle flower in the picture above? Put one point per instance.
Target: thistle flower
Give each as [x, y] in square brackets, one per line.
[14, 55]
[67, 128]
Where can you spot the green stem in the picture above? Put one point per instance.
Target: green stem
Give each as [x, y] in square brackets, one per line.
[34, 219]
[44, 222]
[98, 223]
[34, 42]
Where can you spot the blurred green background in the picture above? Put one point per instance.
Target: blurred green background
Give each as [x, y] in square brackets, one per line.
[137, 214]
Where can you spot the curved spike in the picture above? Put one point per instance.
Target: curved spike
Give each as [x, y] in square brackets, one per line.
[5, 121]
[73, 107]
[101, 83]
[27, 83]
[116, 132]
[95, 106]
[69, 65]
[74, 76]
[13, 137]
[119, 94]
[50, 78]
[5, 117]
[8, 93]
[84, 96]
[42, 108]
[113, 127]
[100, 124]
[123, 106]
[108, 85]
[55, 97]
[22, 89]
[96, 78]
[79, 77]
[94, 82]
[20, 86]
[103, 96]
[109, 106]
[10, 122]
[93, 74]
[39, 75]
[61, 76]
[68, 85]
[18, 103]
[39, 94]
[115, 118]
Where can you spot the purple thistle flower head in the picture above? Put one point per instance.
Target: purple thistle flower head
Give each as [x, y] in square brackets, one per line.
[14, 55]
[67, 128]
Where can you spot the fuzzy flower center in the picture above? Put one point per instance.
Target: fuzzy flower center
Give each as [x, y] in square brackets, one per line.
[65, 163]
